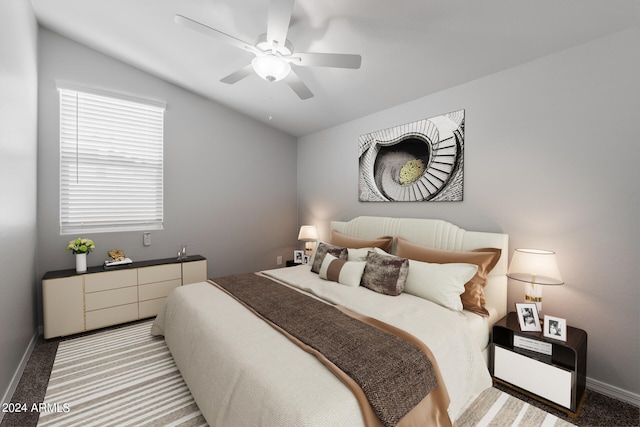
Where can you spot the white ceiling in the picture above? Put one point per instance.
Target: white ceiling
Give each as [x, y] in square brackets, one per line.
[409, 48]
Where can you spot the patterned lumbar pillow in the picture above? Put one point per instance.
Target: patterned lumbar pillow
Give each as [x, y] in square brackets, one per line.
[339, 270]
[385, 274]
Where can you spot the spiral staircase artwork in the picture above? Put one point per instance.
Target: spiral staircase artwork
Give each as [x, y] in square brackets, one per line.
[414, 162]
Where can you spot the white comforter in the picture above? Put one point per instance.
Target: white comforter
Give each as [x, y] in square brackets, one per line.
[242, 372]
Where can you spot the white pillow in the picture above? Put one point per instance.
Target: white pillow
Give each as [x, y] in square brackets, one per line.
[338, 270]
[381, 252]
[359, 254]
[439, 283]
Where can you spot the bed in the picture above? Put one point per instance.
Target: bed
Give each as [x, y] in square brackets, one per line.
[243, 372]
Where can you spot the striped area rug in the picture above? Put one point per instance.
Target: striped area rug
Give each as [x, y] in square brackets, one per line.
[496, 408]
[126, 377]
[120, 377]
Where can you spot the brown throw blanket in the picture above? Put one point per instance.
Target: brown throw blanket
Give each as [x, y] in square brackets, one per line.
[394, 374]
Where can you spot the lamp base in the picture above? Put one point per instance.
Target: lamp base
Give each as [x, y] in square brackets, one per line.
[533, 294]
[308, 248]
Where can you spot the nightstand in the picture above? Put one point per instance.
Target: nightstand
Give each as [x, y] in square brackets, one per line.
[546, 369]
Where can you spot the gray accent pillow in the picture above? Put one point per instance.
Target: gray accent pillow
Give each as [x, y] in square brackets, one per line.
[385, 274]
[322, 250]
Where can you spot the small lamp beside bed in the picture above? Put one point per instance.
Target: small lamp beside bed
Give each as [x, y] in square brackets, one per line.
[535, 267]
[309, 235]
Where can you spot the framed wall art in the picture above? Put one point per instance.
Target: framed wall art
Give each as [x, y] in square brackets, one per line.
[415, 162]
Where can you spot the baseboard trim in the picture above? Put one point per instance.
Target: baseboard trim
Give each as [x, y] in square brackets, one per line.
[612, 391]
[13, 385]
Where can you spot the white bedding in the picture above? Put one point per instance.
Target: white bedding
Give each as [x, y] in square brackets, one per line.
[447, 333]
[243, 372]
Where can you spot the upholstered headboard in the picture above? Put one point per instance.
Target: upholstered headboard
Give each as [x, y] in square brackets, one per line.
[438, 234]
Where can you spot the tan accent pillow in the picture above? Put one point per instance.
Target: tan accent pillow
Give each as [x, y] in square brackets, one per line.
[345, 241]
[485, 258]
[385, 274]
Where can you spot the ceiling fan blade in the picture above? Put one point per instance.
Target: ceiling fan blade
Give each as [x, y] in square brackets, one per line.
[336, 60]
[236, 76]
[298, 85]
[212, 32]
[278, 22]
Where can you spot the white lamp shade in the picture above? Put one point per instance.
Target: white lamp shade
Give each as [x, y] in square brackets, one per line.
[308, 233]
[535, 266]
[270, 67]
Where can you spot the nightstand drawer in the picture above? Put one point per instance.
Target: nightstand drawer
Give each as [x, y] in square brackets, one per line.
[547, 381]
[554, 371]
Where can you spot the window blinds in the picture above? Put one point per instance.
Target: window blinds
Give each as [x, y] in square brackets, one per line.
[111, 164]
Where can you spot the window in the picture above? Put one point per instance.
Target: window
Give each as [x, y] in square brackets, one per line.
[111, 163]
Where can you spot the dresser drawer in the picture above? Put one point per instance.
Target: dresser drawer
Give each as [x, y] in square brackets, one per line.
[157, 290]
[110, 280]
[194, 272]
[63, 306]
[112, 316]
[159, 273]
[150, 308]
[112, 298]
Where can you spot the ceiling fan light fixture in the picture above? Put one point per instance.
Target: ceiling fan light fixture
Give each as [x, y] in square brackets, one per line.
[271, 67]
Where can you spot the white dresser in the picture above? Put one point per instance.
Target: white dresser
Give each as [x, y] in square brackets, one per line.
[74, 303]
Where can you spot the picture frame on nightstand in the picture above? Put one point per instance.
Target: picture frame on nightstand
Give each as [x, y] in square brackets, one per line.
[555, 327]
[298, 256]
[528, 317]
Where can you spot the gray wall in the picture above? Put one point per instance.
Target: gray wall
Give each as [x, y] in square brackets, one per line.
[552, 159]
[18, 144]
[229, 181]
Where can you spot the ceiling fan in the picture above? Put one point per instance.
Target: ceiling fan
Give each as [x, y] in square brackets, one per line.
[274, 54]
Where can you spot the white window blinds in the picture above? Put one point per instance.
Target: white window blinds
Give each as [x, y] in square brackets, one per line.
[111, 164]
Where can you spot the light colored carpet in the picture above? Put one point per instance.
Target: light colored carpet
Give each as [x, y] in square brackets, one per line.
[126, 377]
[120, 377]
[496, 408]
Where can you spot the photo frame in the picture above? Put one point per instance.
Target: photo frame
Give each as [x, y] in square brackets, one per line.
[555, 327]
[305, 259]
[298, 256]
[528, 317]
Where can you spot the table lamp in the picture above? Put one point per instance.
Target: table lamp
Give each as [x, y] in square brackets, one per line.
[535, 267]
[308, 234]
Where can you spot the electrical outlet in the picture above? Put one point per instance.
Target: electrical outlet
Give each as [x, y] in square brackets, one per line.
[146, 239]
[279, 260]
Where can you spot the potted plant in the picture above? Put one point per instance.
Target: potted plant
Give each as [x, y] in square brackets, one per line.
[81, 247]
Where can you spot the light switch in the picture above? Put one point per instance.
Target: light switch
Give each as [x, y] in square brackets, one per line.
[146, 239]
